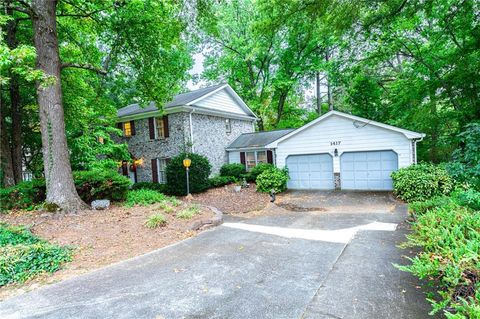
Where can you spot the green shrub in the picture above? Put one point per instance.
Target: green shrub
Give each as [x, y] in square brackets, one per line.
[274, 178]
[162, 188]
[421, 182]
[218, 181]
[143, 197]
[257, 170]
[199, 172]
[155, 221]
[97, 184]
[469, 198]
[421, 207]
[236, 170]
[450, 242]
[188, 212]
[21, 262]
[24, 195]
[23, 255]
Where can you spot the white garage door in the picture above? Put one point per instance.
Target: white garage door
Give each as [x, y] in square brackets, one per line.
[310, 171]
[368, 170]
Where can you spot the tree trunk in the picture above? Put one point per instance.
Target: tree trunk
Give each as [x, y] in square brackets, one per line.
[16, 133]
[6, 167]
[58, 173]
[317, 87]
[329, 85]
[280, 106]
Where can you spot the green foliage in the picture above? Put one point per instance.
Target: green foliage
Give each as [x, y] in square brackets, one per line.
[189, 212]
[25, 195]
[143, 197]
[101, 184]
[421, 182]
[466, 165]
[421, 207]
[162, 188]
[236, 170]
[199, 172]
[23, 255]
[273, 178]
[469, 198]
[155, 221]
[218, 181]
[259, 169]
[450, 241]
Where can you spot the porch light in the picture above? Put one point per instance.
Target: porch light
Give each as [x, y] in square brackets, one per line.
[138, 162]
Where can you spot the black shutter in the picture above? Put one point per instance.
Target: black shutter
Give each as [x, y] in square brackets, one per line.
[166, 132]
[125, 168]
[120, 126]
[151, 128]
[154, 170]
[132, 125]
[269, 157]
[242, 158]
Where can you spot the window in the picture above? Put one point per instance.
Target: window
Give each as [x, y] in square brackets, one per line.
[162, 170]
[159, 129]
[127, 129]
[250, 160]
[228, 126]
[261, 157]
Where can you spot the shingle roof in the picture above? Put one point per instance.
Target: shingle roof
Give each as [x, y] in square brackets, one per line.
[179, 99]
[258, 139]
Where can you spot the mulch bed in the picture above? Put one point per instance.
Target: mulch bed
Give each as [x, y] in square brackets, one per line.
[101, 238]
[230, 202]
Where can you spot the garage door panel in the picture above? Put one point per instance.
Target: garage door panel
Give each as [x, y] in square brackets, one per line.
[310, 171]
[368, 170]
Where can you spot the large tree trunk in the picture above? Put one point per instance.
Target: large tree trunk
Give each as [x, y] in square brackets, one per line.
[317, 90]
[329, 84]
[16, 133]
[58, 173]
[6, 167]
[282, 97]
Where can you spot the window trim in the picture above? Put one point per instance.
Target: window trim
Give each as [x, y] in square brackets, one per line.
[162, 175]
[255, 154]
[228, 126]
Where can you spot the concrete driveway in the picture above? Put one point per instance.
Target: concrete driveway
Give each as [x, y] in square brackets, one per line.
[318, 255]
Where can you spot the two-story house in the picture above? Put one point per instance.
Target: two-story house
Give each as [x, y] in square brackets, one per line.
[203, 121]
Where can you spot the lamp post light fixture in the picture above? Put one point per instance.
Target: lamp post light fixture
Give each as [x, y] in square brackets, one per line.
[186, 163]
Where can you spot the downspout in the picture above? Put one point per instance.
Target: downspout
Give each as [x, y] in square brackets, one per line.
[415, 147]
[191, 129]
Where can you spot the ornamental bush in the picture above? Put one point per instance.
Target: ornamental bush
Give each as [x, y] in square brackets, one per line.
[143, 197]
[24, 195]
[273, 178]
[218, 181]
[236, 170]
[101, 184]
[259, 169]
[199, 172]
[421, 182]
[162, 188]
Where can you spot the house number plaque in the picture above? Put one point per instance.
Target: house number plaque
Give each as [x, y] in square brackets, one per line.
[335, 143]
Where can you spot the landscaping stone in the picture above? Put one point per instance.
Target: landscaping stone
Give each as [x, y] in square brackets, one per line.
[100, 204]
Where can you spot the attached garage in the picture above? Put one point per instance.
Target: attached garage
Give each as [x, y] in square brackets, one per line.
[312, 171]
[344, 151]
[367, 170]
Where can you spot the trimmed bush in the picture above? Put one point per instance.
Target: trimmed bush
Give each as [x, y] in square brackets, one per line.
[218, 181]
[421, 207]
[24, 195]
[144, 197]
[257, 170]
[199, 172]
[236, 170]
[162, 188]
[421, 182]
[273, 178]
[23, 255]
[97, 184]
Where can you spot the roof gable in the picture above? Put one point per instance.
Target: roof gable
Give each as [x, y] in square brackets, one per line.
[361, 121]
[198, 99]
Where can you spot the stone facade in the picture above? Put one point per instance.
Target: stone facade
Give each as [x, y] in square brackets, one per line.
[209, 139]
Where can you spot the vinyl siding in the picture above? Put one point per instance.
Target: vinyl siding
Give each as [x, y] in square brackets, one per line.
[318, 138]
[222, 101]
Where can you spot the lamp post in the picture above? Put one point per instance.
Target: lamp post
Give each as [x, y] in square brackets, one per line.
[187, 162]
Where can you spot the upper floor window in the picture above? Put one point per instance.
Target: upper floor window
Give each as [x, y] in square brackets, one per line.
[228, 126]
[159, 128]
[127, 129]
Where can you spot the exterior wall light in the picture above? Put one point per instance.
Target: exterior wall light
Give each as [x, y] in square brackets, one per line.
[335, 153]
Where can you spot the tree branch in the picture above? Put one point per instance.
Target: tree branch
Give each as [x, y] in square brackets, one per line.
[85, 66]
